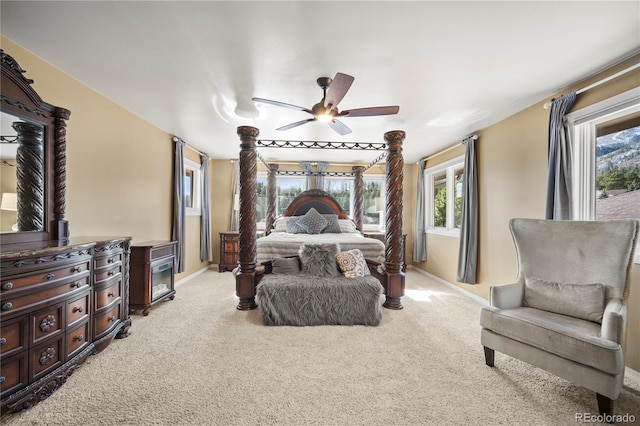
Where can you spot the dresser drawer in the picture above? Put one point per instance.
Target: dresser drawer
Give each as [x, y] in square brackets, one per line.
[77, 339]
[10, 305]
[46, 357]
[47, 323]
[106, 295]
[102, 261]
[43, 278]
[78, 309]
[13, 373]
[14, 335]
[105, 321]
[107, 273]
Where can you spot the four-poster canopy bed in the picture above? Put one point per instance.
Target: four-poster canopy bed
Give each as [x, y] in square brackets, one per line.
[389, 272]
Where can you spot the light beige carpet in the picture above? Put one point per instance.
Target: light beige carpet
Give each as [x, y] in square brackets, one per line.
[197, 360]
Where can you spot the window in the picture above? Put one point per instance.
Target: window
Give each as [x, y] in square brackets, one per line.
[372, 203]
[261, 199]
[340, 188]
[443, 187]
[606, 158]
[288, 189]
[192, 188]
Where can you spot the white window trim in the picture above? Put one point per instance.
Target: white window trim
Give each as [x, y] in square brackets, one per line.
[583, 124]
[449, 167]
[196, 210]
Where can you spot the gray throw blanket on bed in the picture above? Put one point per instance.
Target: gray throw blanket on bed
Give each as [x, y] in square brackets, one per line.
[303, 300]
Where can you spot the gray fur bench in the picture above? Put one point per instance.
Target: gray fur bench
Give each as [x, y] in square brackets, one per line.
[303, 299]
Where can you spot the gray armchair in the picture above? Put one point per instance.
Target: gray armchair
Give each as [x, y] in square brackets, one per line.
[566, 312]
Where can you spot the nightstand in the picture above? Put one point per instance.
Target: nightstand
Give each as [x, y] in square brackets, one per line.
[229, 251]
[382, 237]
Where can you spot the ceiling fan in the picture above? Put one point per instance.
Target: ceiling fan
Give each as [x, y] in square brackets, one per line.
[327, 109]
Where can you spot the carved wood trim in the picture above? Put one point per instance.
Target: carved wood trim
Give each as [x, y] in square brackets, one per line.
[358, 195]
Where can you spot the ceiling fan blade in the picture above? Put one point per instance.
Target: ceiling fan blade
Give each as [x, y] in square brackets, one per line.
[337, 89]
[296, 124]
[339, 127]
[366, 112]
[281, 104]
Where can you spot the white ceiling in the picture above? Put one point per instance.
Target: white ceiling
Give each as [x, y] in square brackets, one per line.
[191, 68]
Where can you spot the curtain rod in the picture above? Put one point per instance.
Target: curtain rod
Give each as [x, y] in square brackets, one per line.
[474, 137]
[599, 82]
[176, 139]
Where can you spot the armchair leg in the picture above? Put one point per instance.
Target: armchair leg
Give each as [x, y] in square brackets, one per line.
[489, 356]
[605, 405]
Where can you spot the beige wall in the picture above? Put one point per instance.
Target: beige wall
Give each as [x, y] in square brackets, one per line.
[119, 167]
[512, 168]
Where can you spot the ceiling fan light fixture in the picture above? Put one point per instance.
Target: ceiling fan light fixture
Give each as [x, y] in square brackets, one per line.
[325, 118]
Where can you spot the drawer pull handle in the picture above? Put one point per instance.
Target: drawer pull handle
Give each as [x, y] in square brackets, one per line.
[110, 273]
[110, 260]
[76, 269]
[49, 276]
[2, 379]
[77, 309]
[76, 284]
[112, 319]
[7, 286]
[79, 337]
[6, 306]
[2, 341]
[110, 294]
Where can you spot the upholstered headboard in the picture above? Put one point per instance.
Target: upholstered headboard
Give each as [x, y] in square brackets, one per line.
[322, 201]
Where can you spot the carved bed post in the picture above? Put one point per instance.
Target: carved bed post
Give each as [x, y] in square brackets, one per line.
[394, 251]
[272, 190]
[358, 195]
[246, 274]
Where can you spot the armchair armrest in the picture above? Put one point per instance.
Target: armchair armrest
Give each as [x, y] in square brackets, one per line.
[506, 296]
[613, 321]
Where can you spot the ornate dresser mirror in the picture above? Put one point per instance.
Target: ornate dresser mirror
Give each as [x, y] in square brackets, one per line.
[33, 143]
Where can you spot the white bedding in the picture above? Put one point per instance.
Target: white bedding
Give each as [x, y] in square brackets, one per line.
[281, 244]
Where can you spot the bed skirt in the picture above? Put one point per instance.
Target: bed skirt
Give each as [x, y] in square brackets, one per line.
[302, 300]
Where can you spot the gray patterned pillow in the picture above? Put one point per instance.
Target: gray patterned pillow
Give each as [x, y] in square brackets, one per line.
[313, 222]
[293, 227]
[319, 259]
[333, 226]
[347, 226]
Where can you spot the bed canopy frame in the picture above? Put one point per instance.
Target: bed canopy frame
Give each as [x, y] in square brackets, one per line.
[248, 275]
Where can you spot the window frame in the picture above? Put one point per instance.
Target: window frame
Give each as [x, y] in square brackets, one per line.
[377, 177]
[583, 127]
[196, 193]
[449, 167]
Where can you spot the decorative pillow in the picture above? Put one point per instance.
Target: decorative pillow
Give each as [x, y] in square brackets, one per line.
[347, 226]
[293, 227]
[280, 224]
[585, 301]
[333, 226]
[352, 263]
[312, 222]
[319, 259]
[285, 266]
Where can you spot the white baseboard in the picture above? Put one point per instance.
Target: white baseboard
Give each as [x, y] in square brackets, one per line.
[632, 374]
[192, 276]
[448, 284]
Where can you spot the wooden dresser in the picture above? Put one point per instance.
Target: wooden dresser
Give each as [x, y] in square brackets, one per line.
[59, 303]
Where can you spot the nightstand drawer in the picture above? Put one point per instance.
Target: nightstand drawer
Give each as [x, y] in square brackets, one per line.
[14, 335]
[77, 339]
[78, 310]
[13, 373]
[106, 295]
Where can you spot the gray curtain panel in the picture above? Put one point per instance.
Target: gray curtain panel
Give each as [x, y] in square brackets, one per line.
[468, 251]
[560, 146]
[178, 229]
[322, 168]
[234, 220]
[419, 237]
[205, 216]
[306, 166]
